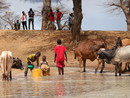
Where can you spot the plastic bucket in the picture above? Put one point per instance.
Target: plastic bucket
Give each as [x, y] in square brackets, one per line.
[44, 67]
[36, 72]
[30, 66]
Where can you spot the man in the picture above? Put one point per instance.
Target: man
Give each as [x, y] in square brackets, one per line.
[59, 15]
[70, 18]
[31, 18]
[30, 59]
[51, 19]
[118, 42]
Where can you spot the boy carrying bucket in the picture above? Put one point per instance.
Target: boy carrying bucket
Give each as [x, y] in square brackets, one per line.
[45, 67]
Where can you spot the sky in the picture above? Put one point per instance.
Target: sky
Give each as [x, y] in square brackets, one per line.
[95, 15]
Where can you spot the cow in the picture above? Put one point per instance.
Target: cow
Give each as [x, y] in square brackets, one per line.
[88, 50]
[17, 63]
[116, 56]
[124, 42]
[6, 61]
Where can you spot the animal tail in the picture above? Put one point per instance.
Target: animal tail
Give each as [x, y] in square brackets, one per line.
[5, 64]
[74, 56]
[7, 60]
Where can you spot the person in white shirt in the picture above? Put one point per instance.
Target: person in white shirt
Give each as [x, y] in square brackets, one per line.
[24, 20]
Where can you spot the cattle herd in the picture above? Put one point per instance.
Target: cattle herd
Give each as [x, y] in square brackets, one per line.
[93, 50]
[97, 49]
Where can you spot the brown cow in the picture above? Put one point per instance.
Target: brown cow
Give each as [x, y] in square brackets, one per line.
[88, 50]
[125, 42]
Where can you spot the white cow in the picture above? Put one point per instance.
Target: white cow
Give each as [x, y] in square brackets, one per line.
[6, 61]
[116, 56]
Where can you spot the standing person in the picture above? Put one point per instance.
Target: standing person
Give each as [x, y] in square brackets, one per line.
[59, 15]
[60, 54]
[24, 20]
[70, 18]
[51, 19]
[118, 42]
[31, 18]
[30, 59]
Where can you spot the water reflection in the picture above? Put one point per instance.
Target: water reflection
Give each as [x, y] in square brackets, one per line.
[59, 89]
[72, 84]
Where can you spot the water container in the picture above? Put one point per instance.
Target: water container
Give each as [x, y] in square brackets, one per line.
[30, 66]
[36, 72]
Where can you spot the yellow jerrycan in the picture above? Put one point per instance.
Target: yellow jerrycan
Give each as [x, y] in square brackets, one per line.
[36, 72]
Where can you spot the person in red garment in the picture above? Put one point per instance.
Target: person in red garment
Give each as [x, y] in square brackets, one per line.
[60, 56]
[51, 19]
[59, 15]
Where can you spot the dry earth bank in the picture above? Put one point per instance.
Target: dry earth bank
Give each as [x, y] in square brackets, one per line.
[25, 42]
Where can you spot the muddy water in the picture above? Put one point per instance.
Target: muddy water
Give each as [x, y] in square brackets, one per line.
[72, 85]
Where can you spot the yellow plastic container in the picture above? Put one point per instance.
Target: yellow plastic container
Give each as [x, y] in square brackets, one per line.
[36, 73]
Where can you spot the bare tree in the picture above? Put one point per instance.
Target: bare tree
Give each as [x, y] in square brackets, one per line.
[45, 10]
[76, 27]
[3, 5]
[8, 19]
[121, 6]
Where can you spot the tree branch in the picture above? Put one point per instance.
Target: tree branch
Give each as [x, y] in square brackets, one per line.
[117, 5]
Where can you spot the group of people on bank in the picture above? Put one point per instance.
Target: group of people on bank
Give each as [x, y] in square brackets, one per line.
[58, 16]
[24, 20]
[52, 17]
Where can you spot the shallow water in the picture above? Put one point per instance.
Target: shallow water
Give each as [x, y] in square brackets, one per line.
[72, 85]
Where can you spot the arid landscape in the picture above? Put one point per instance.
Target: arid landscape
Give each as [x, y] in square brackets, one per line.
[22, 43]
[71, 85]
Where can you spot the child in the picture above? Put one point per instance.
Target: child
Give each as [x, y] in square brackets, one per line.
[44, 67]
[30, 59]
[44, 60]
[60, 52]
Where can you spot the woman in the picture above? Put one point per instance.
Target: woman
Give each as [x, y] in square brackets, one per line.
[24, 20]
